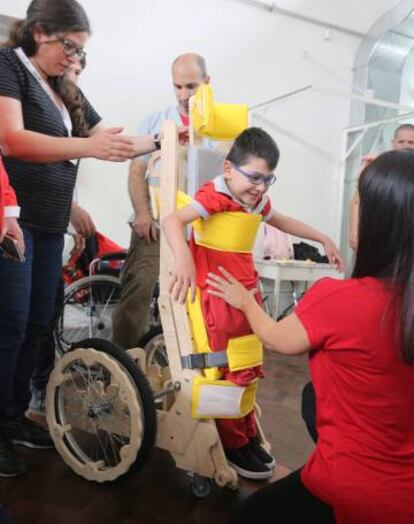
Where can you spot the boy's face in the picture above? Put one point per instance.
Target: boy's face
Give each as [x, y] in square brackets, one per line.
[247, 183]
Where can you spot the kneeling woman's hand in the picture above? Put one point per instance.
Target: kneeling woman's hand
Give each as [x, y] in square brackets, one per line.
[230, 289]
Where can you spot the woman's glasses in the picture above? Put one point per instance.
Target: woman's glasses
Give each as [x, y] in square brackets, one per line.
[70, 48]
[256, 178]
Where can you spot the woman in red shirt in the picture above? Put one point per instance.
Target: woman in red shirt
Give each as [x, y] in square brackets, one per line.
[359, 333]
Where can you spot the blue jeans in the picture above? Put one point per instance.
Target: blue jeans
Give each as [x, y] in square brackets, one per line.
[27, 300]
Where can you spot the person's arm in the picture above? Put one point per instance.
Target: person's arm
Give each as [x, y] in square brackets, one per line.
[81, 220]
[17, 142]
[183, 273]
[143, 144]
[300, 229]
[143, 224]
[288, 336]
[353, 221]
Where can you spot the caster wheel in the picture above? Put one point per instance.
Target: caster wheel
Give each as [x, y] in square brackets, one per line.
[200, 486]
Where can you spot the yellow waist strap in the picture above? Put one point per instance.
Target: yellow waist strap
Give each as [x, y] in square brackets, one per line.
[242, 352]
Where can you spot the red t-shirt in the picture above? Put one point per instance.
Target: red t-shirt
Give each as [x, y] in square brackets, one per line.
[185, 119]
[7, 195]
[213, 200]
[363, 464]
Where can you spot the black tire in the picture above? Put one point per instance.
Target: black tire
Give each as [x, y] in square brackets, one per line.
[86, 311]
[100, 377]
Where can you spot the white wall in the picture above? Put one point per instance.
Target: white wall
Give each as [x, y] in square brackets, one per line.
[252, 56]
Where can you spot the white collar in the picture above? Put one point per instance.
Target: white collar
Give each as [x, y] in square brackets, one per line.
[31, 68]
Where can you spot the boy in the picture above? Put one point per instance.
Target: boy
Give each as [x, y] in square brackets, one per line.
[247, 175]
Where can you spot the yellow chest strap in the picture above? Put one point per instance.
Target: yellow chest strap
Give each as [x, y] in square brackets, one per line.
[231, 231]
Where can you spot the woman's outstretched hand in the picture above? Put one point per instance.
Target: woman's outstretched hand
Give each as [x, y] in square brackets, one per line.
[111, 145]
[229, 289]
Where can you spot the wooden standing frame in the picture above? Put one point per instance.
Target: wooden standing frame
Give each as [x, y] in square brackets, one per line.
[194, 444]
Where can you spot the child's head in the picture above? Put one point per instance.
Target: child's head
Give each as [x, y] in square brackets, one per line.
[249, 165]
[386, 216]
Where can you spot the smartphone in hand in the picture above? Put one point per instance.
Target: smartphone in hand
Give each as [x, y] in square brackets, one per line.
[10, 248]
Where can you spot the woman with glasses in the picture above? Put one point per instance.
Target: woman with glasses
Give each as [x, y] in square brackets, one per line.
[41, 140]
[235, 202]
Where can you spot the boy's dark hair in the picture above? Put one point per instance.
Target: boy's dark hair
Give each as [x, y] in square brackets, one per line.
[386, 234]
[254, 142]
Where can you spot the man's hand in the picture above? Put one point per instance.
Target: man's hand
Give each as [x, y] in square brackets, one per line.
[81, 221]
[183, 135]
[13, 230]
[144, 227]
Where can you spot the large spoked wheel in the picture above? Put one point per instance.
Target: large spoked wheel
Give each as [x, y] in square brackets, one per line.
[153, 343]
[87, 311]
[100, 411]
[157, 366]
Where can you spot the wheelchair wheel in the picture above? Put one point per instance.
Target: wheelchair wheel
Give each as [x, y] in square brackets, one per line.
[87, 311]
[154, 345]
[100, 411]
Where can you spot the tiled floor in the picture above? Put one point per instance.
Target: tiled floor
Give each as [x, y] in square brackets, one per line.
[159, 493]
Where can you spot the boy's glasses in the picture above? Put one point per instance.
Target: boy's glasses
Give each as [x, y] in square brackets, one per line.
[256, 178]
[69, 47]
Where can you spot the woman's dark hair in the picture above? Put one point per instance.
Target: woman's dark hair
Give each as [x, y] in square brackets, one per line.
[51, 16]
[74, 101]
[254, 142]
[55, 16]
[386, 233]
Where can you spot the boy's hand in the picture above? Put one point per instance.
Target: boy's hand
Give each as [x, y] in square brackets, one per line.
[183, 277]
[334, 255]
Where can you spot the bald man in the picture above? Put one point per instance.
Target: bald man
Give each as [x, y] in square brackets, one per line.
[141, 269]
[403, 139]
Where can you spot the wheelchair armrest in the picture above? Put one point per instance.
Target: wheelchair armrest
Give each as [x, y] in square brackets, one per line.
[116, 255]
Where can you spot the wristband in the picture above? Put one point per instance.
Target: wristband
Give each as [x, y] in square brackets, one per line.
[157, 141]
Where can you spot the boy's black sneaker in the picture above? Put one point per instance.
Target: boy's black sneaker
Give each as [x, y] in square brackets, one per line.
[261, 453]
[27, 433]
[247, 465]
[11, 465]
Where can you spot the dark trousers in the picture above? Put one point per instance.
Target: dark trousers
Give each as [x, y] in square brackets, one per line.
[4, 516]
[46, 355]
[286, 501]
[27, 301]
